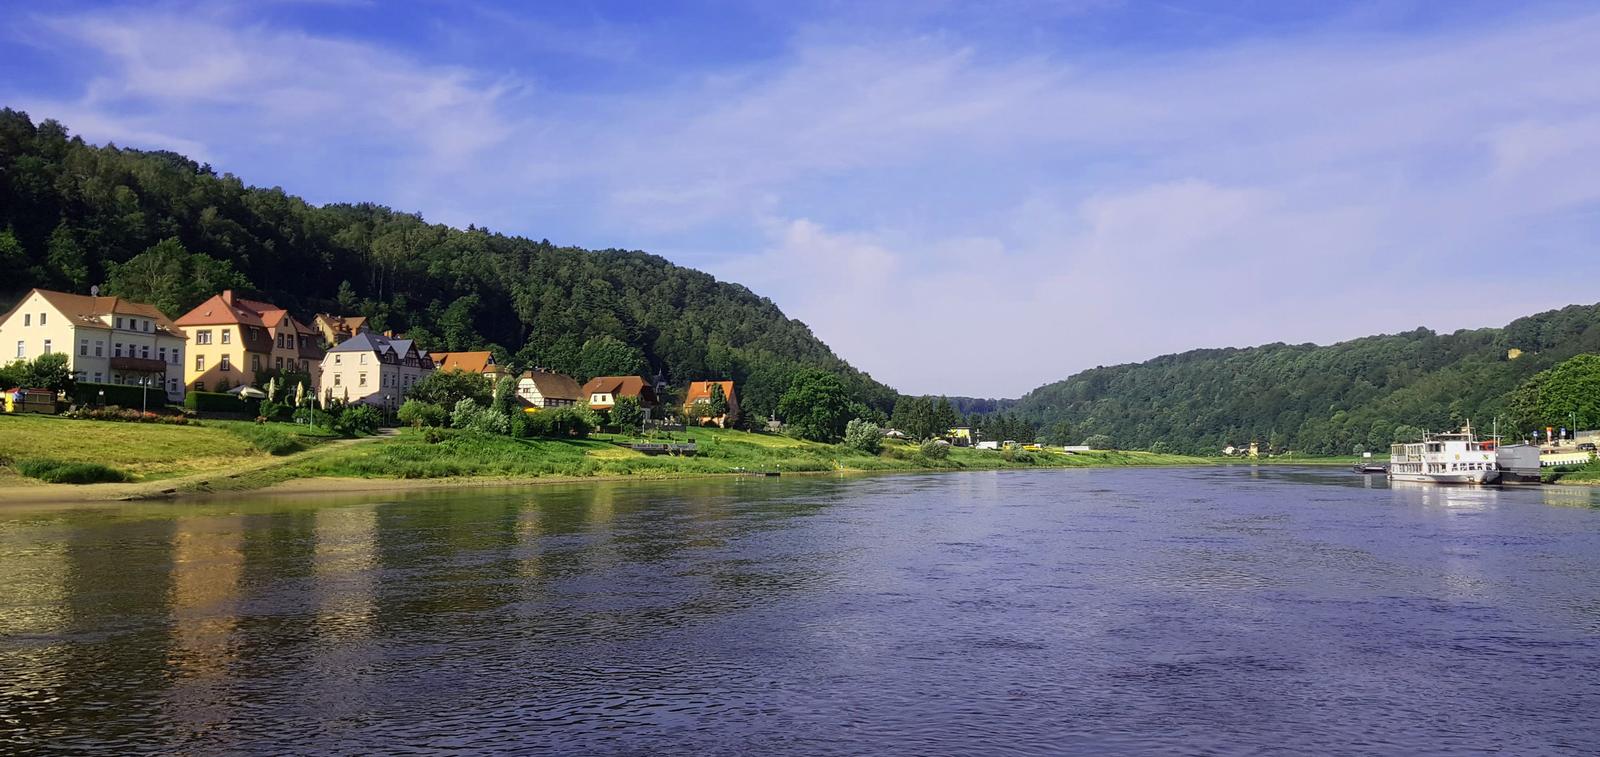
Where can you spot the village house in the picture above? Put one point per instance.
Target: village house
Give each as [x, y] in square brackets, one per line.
[538, 389]
[106, 339]
[602, 392]
[374, 369]
[699, 395]
[471, 362]
[231, 339]
[337, 328]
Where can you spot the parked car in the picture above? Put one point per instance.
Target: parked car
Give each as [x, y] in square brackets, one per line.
[1586, 446]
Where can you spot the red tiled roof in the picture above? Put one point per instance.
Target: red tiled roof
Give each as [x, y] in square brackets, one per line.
[471, 362]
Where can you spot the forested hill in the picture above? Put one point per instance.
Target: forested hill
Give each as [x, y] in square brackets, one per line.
[1320, 399]
[160, 225]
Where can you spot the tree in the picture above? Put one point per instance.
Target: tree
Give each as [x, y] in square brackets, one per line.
[417, 414]
[915, 417]
[717, 404]
[66, 259]
[449, 388]
[1565, 396]
[609, 356]
[50, 372]
[816, 406]
[356, 420]
[1100, 441]
[863, 436]
[464, 412]
[627, 413]
[171, 278]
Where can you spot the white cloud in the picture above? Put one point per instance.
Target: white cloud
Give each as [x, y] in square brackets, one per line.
[1042, 213]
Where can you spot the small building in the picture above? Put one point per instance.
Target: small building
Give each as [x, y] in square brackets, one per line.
[1076, 448]
[373, 369]
[471, 362]
[960, 436]
[602, 392]
[231, 339]
[337, 328]
[987, 445]
[699, 395]
[106, 339]
[539, 389]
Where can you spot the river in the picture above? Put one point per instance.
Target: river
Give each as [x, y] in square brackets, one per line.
[1201, 610]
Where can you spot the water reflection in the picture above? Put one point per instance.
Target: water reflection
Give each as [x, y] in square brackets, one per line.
[1259, 609]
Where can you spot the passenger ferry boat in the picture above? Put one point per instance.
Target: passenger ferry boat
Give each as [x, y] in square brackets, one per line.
[1455, 458]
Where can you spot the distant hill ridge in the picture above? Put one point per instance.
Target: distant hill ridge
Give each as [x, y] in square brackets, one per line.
[1330, 399]
[71, 213]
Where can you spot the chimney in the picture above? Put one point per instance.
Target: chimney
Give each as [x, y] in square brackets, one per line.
[227, 297]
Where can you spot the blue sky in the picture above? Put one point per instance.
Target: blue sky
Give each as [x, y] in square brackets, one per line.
[959, 198]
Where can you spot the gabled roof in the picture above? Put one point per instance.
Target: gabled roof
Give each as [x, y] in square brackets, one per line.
[619, 386]
[368, 341]
[471, 362]
[87, 311]
[554, 385]
[226, 310]
[702, 389]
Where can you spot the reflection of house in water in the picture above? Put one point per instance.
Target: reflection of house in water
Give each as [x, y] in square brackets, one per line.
[206, 565]
[345, 564]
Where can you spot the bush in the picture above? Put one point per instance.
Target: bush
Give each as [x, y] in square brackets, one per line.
[357, 420]
[417, 413]
[1161, 448]
[863, 435]
[934, 449]
[58, 472]
[313, 417]
[118, 394]
[274, 410]
[562, 422]
[1100, 441]
[218, 402]
[490, 421]
[520, 426]
[434, 435]
[466, 409]
[114, 413]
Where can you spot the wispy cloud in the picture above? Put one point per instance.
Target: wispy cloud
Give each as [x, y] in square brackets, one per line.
[1033, 211]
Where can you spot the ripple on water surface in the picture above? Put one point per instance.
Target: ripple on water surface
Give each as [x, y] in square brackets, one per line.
[1201, 610]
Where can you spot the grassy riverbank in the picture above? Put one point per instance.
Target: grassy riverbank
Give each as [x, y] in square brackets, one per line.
[219, 456]
[142, 452]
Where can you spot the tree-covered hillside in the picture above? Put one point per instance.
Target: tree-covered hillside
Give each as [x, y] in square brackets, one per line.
[160, 225]
[1319, 399]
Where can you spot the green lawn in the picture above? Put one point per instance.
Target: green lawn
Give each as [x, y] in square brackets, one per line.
[410, 455]
[145, 451]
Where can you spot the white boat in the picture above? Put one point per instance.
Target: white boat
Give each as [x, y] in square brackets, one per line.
[1455, 458]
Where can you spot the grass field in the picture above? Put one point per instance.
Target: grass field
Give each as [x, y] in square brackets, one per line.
[143, 451]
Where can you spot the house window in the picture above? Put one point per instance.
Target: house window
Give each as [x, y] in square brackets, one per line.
[338, 359]
[99, 348]
[97, 378]
[280, 341]
[255, 362]
[116, 349]
[172, 386]
[144, 352]
[27, 319]
[202, 337]
[363, 380]
[147, 326]
[227, 336]
[47, 341]
[83, 348]
[226, 364]
[279, 364]
[199, 364]
[42, 317]
[363, 358]
[336, 381]
[199, 386]
[163, 353]
[176, 359]
[119, 323]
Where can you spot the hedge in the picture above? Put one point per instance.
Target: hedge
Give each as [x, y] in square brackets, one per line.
[221, 402]
[118, 394]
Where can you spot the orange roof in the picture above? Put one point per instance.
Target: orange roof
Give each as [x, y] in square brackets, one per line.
[702, 389]
[620, 386]
[225, 309]
[82, 308]
[471, 362]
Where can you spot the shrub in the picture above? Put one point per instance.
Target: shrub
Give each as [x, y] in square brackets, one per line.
[1100, 441]
[562, 422]
[863, 435]
[934, 449]
[114, 413]
[314, 417]
[274, 410]
[58, 472]
[490, 421]
[118, 394]
[1161, 448]
[466, 409]
[217, 402]
[418, 413]
[520, 426]
[356, 420]
[434, 435]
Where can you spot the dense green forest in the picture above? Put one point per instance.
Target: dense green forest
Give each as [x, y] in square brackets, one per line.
[162, 226]
[1336, 399]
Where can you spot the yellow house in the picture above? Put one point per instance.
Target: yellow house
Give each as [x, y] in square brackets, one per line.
[960, 436]
[106, 339]
[231, 339]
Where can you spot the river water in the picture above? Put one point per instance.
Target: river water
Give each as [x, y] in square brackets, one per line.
[1214, 610]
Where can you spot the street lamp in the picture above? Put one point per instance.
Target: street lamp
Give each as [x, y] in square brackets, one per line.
[102, 399]
[388, 406]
